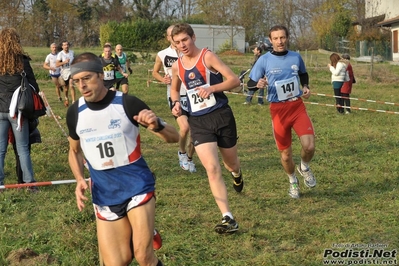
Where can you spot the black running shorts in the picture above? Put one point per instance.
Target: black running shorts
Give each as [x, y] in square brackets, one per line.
[218, 126]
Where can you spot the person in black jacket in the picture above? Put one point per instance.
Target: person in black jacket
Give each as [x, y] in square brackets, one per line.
[13, 62]
[251, 85]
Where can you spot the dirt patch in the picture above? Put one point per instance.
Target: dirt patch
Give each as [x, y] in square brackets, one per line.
[28, 257]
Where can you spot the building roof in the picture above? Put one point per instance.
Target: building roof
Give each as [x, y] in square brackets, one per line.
[388, 22]
[370, 21]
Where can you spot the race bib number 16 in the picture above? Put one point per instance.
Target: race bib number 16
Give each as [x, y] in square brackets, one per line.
[107, 150]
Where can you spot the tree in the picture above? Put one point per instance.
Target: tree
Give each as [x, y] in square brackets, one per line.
[341, 24]
[311, 22]
[110, 10]
[90, 36]
[330, 21]
[11, 13]
[146, 9]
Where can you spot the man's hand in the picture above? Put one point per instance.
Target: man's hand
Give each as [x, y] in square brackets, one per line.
[167, 79]
[306, 92]
[176, 109]
[262, 83]
[204, 91]
[147, 118]
[81, 187]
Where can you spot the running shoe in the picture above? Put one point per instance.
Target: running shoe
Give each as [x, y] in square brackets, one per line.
[227, 226]
[191, 167]
[157, 240]
[32, 189]
[309, 179]
[238, 183]
[183, 160]
[294, 190]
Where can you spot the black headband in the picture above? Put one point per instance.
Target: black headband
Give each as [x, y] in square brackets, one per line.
[90, 66]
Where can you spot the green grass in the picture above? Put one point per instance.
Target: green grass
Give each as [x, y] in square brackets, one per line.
[355, 201]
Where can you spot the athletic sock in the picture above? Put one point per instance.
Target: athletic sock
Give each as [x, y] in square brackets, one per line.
[228, 214]
[236, 174]
[292, 178]
[304, 166]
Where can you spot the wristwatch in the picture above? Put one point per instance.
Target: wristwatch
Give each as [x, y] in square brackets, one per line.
[161, 125]
[174, 103]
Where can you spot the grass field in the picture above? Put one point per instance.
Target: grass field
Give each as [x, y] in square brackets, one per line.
[355, 202]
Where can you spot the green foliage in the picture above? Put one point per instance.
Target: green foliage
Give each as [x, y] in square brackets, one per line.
[226, 46]
[195, 19]
[341, 24]
[332, 33]
[146, 56]
[131, 57]
[106, 31]
[138, 35]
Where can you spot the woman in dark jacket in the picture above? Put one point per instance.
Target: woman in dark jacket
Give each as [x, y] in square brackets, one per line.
[13, 62]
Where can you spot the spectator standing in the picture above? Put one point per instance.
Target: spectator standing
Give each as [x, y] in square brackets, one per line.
[211, 119]
[164, 61]
[346, 89]
[34, 137]
[13, 63]
[287, 81]
[252, 89]
[337, 68]
[122, 185]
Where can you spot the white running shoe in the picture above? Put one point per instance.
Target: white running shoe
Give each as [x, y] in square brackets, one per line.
[191, 167]
[294, 190]
[183, 161]
[308, 177]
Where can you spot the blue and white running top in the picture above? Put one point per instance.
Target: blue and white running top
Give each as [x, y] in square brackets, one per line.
[111, 145]
[282, 73]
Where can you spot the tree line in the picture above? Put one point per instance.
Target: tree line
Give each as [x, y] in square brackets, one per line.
[312, 23]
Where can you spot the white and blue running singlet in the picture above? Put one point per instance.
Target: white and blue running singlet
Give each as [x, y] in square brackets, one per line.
[112, 149]
[282, 73]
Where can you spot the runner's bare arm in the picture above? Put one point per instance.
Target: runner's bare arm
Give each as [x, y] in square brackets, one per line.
[75, 158]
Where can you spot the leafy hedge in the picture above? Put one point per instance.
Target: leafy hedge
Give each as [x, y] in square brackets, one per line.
[136, 35]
